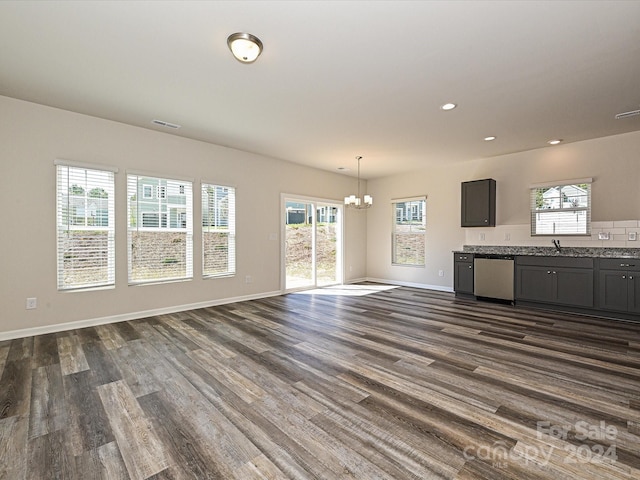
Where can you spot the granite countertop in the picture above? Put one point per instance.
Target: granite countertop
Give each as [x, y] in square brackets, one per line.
[593, 252]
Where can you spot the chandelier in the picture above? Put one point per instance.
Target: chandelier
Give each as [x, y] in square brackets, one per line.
[356, 201]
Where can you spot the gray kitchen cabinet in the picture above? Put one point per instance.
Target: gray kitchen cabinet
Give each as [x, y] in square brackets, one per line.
[555, 280]
[619, 285]
[463, 273]
[478, 203]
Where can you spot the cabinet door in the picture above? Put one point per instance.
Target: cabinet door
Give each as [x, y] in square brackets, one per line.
[534, 283]
[633, 289]
[479, 203]
[612, 290]
[573, 286]
[463, 277]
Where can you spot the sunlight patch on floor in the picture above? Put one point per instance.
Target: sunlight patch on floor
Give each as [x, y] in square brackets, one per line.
[347, 290]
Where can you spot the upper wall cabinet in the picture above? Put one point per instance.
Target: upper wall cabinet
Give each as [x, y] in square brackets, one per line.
[479, 203]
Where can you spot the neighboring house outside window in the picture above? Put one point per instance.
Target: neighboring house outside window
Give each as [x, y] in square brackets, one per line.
[563, 209]
[85, 212]
[160, 229]
[409, 231]
[218, 230]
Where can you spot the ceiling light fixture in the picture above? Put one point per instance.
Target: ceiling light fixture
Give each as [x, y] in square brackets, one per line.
[490, 138]
[448, 106]
[554, 142]
[358, 202]
[244, 46]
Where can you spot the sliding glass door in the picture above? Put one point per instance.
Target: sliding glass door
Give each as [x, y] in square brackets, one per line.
[312, 243]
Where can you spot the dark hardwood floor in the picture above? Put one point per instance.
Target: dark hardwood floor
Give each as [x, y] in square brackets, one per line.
[401, 384]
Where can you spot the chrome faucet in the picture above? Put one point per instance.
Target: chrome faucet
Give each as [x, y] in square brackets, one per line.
[556, 243]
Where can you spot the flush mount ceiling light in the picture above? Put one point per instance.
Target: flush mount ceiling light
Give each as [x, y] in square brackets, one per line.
[244, 46]
[358, 202]
[490, 138]
[554, 142]
[448, 106]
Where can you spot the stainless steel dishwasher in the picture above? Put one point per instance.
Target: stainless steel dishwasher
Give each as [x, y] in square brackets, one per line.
[493, 276]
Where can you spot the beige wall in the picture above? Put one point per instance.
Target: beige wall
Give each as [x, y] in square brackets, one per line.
[33, 136]
[613, 162]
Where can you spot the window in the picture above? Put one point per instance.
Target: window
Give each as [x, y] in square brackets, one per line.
[86, 227]
[563, 209]
[160, 229]
[409, 229]
[218, 230]
[147, 191]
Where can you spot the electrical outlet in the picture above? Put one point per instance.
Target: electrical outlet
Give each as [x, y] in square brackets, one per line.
[441, 273]
[603, 236]
[633, 236]
[482, 237]
[32, 303]
[248, 279]
[507, 236]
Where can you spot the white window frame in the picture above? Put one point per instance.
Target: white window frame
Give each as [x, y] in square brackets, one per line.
[209, 225]
[398, 211]
[581, 213]
[104, 178]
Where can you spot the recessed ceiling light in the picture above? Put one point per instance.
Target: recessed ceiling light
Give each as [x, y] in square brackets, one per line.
[490, 138]
[448, 106]
[554, 142]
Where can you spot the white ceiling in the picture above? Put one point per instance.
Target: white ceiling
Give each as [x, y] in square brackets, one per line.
[337, 78]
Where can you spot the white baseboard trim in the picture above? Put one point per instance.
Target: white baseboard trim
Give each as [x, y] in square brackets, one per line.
[92, 322]
[356, 280]
[424, 286]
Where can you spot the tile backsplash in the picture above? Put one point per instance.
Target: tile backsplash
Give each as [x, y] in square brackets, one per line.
[620, 233]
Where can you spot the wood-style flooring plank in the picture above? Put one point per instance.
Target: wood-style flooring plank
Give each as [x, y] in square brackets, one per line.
[72, 359]
[87, 425]
[48, 413]
[110, 336]
[103, 463]
[13, 448]
[15, 391]
[142, 452]
[4, 353]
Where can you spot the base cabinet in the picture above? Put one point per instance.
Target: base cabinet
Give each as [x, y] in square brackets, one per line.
[619, 285]
[606, 286]
[555, 281]
[463, 273]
